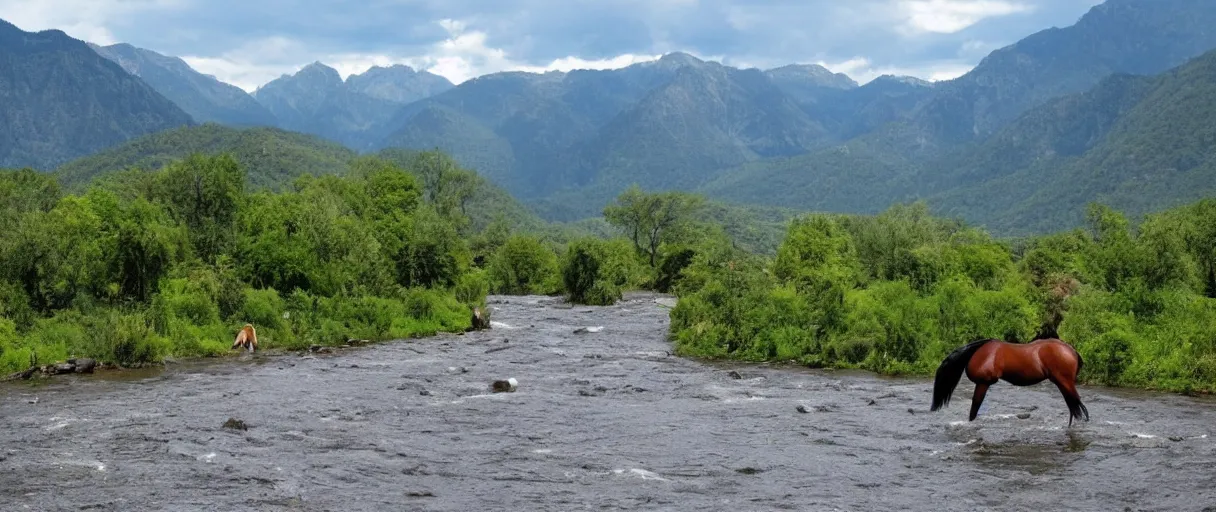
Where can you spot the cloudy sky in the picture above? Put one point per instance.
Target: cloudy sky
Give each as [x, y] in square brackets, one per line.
[250, 42]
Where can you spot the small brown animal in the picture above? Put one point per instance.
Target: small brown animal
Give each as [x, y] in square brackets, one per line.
[247, 338]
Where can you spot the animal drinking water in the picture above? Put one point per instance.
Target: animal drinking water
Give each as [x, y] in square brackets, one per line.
[986, 361]
[247, 338]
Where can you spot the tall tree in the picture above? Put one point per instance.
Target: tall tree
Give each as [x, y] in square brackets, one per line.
[649, 219]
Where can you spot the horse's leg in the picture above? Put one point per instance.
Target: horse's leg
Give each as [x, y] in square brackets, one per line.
[981, 389]
[1076, 409]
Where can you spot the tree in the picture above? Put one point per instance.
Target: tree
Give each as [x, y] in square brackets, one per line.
[649, 219]
[203, 193]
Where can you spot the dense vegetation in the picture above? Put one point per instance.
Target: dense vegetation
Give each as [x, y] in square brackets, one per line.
[897, 291]
[172, 262]
[273, 158]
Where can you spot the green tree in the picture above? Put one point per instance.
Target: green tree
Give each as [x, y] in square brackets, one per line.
[204, 194]
[649, 219]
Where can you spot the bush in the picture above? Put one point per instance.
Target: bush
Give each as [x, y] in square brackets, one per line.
[596, 272]
[523, 265]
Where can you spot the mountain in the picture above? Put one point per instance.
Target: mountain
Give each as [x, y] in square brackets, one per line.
[524, 130]
[62, 100]
[1137, 143]
[808, 83]
[915, 140]
[1117, 36]
[354, 112]
[855, 112]
[662, 124]
[204, 97]
[398, 84]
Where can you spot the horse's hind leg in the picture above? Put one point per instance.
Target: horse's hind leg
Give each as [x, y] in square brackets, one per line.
[1076, 409]
[981, 389]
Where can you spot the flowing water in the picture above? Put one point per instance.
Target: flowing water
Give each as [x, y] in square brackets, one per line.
[604, 419]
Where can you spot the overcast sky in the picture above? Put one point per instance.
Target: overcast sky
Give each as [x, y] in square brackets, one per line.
[250, 42]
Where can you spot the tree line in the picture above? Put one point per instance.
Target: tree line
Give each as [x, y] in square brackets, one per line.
[142, 265]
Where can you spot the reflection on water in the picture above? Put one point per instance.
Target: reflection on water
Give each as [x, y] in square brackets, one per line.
[1076, 442]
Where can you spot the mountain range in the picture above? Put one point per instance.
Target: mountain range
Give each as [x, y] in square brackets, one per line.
[1021, 142]
[61, 100]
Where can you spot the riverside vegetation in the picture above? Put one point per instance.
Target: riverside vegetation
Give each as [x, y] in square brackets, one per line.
[142, 266]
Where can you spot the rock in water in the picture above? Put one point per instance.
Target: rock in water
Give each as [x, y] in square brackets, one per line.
[63, 368]
[85, 365]
[504, 386]
[235, 424]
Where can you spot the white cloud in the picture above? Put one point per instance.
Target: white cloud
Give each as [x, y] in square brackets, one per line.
[951, 16]
[253, 63]
[463, 55]
[87, 20]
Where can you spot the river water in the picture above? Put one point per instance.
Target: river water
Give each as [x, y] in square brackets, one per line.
[601, 420]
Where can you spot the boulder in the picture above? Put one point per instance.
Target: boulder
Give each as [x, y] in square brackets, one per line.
[85, 365]
[504, 386]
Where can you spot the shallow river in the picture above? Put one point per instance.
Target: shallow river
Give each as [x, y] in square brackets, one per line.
[603, 420]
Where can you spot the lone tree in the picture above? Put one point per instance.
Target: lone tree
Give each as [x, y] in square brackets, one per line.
[649, 219]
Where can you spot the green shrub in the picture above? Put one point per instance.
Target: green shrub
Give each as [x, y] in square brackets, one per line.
[523, 265]
[595, 272]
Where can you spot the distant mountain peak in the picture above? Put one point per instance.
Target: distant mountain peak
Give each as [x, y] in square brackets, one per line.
[820, 75]
[902, 79]
[318, 67]
[680, 59]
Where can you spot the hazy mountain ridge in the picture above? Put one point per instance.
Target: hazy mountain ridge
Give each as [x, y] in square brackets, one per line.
[204, 97]
[62, 100]
[354, 111]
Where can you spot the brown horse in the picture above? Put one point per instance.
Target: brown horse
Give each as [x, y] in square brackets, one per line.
[247, 338]
[986, 361]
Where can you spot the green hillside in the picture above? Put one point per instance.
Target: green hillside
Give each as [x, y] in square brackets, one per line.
[272, 156]
[1138, 144]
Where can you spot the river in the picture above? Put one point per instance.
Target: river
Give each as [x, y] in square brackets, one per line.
[601, 420]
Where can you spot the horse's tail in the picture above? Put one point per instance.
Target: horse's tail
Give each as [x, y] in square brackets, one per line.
[951, 370]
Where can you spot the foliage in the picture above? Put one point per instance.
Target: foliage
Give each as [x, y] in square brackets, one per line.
[897, 291]
[176, 262]
[651, 219]
[596, 271]
[523, 265]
